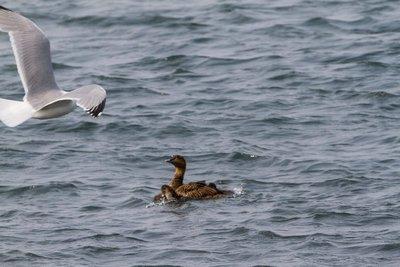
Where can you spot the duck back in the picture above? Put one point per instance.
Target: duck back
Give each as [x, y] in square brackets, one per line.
[199, 190]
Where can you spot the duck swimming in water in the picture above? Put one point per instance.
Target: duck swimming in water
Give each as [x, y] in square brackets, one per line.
[168, 194]
[176, 189]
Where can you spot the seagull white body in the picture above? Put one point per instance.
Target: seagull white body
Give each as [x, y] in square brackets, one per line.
[43, 98]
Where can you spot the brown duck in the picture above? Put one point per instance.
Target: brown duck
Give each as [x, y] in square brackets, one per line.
[168, 194]
[176, 189]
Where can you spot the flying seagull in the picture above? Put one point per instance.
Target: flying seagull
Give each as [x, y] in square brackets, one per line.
[43, 98]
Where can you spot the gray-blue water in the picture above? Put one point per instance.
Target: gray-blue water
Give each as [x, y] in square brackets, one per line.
[294, 103]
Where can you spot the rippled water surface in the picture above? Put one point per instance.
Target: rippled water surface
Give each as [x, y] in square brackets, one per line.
[295, 104]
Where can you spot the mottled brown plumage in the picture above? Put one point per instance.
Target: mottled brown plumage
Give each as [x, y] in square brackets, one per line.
[192, 190]
[169, 194]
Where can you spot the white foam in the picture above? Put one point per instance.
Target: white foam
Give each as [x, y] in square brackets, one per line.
[238, 191]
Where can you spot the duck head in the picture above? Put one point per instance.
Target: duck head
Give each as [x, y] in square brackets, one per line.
[178, 161]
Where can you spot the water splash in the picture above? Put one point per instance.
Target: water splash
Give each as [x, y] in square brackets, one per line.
[156, 204]
[238, 191]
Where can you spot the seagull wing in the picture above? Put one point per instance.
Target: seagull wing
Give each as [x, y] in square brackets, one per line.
[92, 98]
[32, 53]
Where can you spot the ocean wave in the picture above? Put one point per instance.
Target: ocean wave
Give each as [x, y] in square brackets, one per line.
[155, 20]
[92, 208]
[14, 256]
[52, 187]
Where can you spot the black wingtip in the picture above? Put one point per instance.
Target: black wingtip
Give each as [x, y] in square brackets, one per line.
[95, 111]
[4, 8]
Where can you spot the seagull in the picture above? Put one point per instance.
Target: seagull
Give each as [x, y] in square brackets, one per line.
[43, 98]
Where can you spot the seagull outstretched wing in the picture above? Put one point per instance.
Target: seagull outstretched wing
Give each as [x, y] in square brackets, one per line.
[32, 54]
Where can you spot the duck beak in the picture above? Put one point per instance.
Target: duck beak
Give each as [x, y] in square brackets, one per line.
[168, 160]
